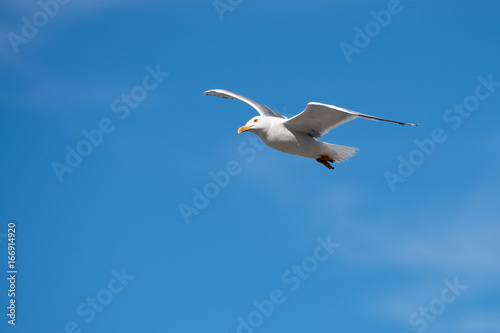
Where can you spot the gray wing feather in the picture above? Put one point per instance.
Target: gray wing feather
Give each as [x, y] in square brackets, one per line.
[261, 108]
[318, 119]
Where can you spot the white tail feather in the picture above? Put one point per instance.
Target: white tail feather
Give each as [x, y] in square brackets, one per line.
[338, 153]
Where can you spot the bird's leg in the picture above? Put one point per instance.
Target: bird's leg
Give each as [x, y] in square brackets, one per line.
[325, 163]
[323, 159]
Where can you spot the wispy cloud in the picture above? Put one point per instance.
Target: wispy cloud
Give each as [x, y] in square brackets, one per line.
[61, 17]
[479, 322]
[462, 240]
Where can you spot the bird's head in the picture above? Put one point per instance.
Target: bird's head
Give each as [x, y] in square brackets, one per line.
[254, 125]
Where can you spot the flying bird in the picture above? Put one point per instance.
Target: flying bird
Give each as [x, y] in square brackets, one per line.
[299, 135]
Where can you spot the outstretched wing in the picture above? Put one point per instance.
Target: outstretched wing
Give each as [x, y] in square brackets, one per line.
[318, 119]
[261, 108]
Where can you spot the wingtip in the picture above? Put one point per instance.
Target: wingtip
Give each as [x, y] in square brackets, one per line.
[217, 92]
[405, 124]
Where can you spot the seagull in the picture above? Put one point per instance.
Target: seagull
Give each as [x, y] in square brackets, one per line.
[299, 135]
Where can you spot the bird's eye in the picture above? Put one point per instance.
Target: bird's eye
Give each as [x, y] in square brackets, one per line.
[255, 120]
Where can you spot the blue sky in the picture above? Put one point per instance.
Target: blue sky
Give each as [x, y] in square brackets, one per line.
[401, 238]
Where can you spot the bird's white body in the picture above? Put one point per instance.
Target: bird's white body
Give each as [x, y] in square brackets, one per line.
[279, 137]
[298, 135]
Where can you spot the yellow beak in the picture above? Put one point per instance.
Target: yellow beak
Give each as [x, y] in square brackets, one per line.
[243, 129]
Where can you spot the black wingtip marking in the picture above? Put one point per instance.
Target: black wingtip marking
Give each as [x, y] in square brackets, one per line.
[214, 93]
